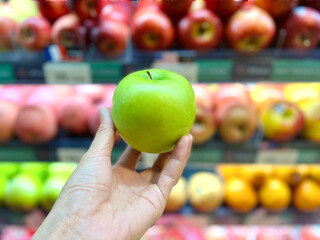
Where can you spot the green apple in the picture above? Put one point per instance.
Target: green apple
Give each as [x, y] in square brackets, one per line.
[38, 169]
[9, 169]
[61, 168]
[153, 109]
[23, 192]
[3, 181]
[51, 190]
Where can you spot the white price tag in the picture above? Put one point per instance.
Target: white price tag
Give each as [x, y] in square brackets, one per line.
[282, 156]
[189, 70]
[67, 73]
[70, 154]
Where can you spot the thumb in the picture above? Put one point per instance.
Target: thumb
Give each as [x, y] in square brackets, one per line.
[103, 142]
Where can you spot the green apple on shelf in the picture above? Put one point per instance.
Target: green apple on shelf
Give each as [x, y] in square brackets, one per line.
[37, 169]
[8, 169]
[23, 192]
[61, 168]
[51, 190]
[153, 109]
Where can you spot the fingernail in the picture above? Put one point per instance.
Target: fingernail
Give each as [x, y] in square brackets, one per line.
[103, 114]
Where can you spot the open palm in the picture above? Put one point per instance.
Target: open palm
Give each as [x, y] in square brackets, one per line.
[104, 202]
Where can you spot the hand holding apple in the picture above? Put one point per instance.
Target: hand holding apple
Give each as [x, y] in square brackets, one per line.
[153, 109]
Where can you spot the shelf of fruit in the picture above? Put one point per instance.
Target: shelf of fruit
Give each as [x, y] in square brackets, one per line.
[199, 39]
[264, 123]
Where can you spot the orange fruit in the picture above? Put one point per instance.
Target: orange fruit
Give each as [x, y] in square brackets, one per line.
[228, 171]
[256, 174]
[306, 196]
[240, 195]
[314, 172]
[275, 194]
[289, 174]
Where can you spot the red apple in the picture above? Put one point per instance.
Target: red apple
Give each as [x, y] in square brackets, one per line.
[302, 28]
[52, 10]
[282, 121]
[117, 11]
[94, 92]
[148, 5]
[7, 32]
[237, 121]
[34, 33]
[232, 92]
[250, 29]
[200, 30]
[8, 117]
[311, 3]
[152, 31]
[225, 8]
[175, 9]
[275, 7]
[36, 124]
[87, 9]
[66, 31]
[204, 126]
[110, 38]
[73, 114]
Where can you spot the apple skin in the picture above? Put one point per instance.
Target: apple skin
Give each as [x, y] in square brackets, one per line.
[52, 10]
[87, 9]
[23, 192]
[152, 115]
[94, 92]
[66, 31]
[119, 11]
[110, 38]
[231, 92]
[152, 31]
[3, 181]
[204, 126]
[178, 196]
[250, 29]
[175, 9]
[276, 8]
[9, 169]
[302, 28]
[7, 31]
[73, 114]
[36, 169]
[8, 116]
[311, 110]
[237, 122]
[34, 34]
[36, 124]
[225, 10]
[200, 30]
[51, 190]
[282, 121]
[63, 169]
[311, 3]
[15, 94]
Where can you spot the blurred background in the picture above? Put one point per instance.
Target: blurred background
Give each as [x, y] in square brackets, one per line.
[254, 171]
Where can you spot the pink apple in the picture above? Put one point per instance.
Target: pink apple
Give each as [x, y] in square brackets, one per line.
[95, 92]
[8, 117]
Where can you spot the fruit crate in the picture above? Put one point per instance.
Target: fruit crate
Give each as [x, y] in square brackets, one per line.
[222, 65]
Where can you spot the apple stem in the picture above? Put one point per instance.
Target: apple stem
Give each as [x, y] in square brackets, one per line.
[150, 75]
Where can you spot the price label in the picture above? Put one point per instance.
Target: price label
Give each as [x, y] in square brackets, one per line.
[189, 70]
[70, 154]
[282, 156]
[67, 73]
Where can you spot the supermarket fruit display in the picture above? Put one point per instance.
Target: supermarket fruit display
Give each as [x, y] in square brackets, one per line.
[242, 188]
[230, 113]
[184, 228]
[29, 185]
[159, 25]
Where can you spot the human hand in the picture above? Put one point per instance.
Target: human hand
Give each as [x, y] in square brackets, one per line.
[104, 202]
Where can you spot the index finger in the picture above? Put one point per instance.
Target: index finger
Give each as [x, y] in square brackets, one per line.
[173, 169]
